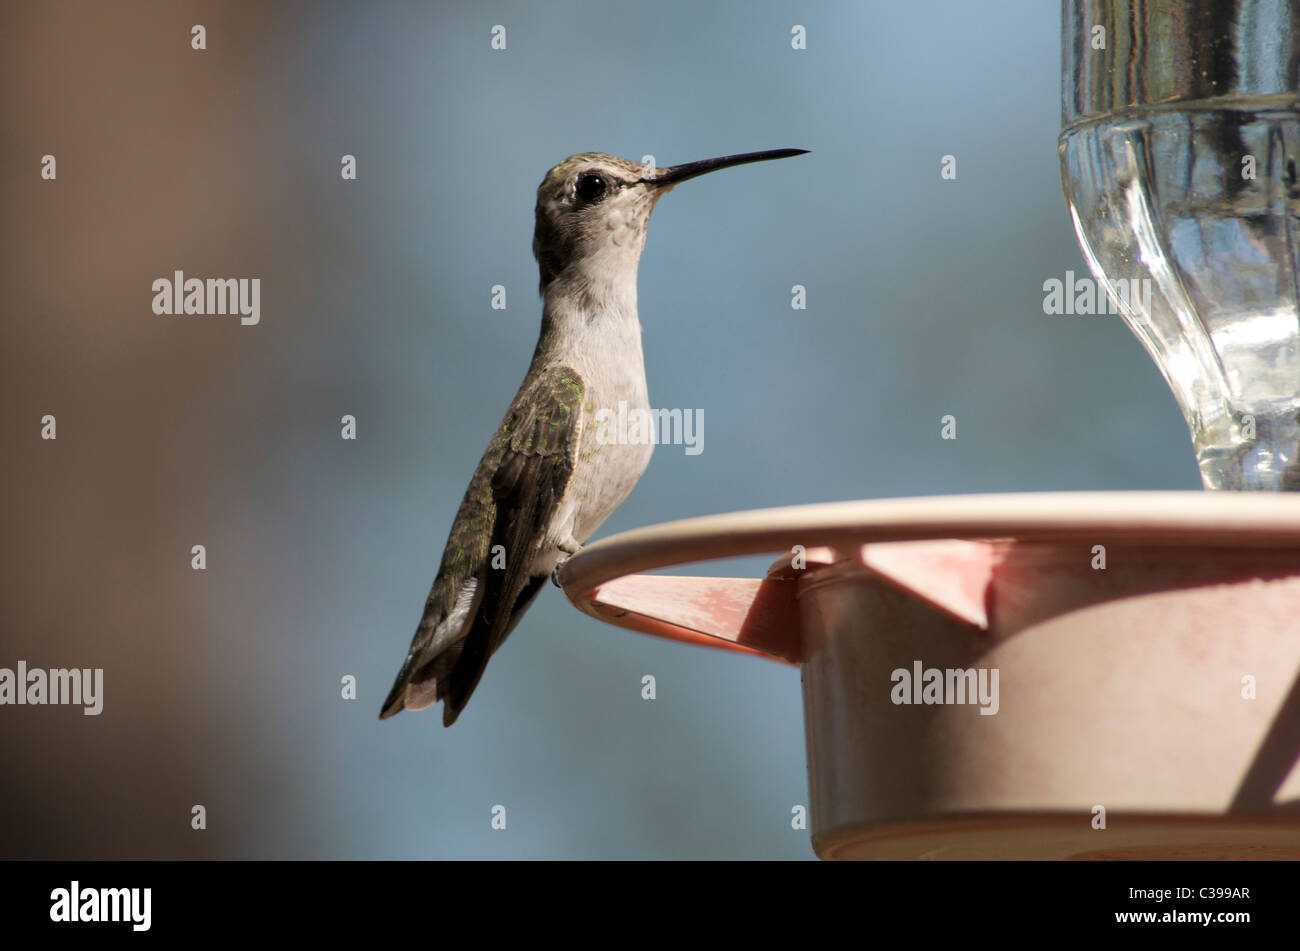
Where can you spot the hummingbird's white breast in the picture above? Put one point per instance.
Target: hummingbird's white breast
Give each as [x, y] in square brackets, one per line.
[601, 340]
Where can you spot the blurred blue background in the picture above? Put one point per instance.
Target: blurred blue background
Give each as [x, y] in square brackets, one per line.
[924, 298]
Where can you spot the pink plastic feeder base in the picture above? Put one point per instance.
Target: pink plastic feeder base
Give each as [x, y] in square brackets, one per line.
[1139, 655]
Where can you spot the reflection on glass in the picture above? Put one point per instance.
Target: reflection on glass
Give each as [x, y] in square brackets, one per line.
[1179, 160]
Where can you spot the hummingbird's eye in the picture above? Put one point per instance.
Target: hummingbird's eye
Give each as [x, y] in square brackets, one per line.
[591, 186]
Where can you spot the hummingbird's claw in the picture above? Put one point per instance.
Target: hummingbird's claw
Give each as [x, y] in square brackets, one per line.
[570, 549]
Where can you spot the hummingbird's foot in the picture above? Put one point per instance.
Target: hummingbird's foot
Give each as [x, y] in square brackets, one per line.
[570, 548]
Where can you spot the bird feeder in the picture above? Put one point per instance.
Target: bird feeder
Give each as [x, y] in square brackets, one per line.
[1009, 676]
[1097, 675]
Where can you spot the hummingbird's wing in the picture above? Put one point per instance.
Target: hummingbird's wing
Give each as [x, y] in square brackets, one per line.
[488, 577]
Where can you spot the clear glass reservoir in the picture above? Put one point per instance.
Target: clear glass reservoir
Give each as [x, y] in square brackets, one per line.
[1180, 160]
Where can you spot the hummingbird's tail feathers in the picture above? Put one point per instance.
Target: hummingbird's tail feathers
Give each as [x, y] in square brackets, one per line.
[465, 667]
[423, 679]
[423, 686]
[452, 675]
[421, 696]
[396, 701]
[416, 691]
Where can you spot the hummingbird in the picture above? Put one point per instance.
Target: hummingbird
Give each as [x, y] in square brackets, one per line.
[546, 482]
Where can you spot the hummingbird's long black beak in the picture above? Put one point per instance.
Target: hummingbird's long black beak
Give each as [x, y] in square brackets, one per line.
[680, 173]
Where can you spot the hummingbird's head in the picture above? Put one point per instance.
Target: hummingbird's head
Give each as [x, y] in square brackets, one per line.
[593, 209]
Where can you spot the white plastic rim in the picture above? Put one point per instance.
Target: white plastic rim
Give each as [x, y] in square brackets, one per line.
[1263, 520]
